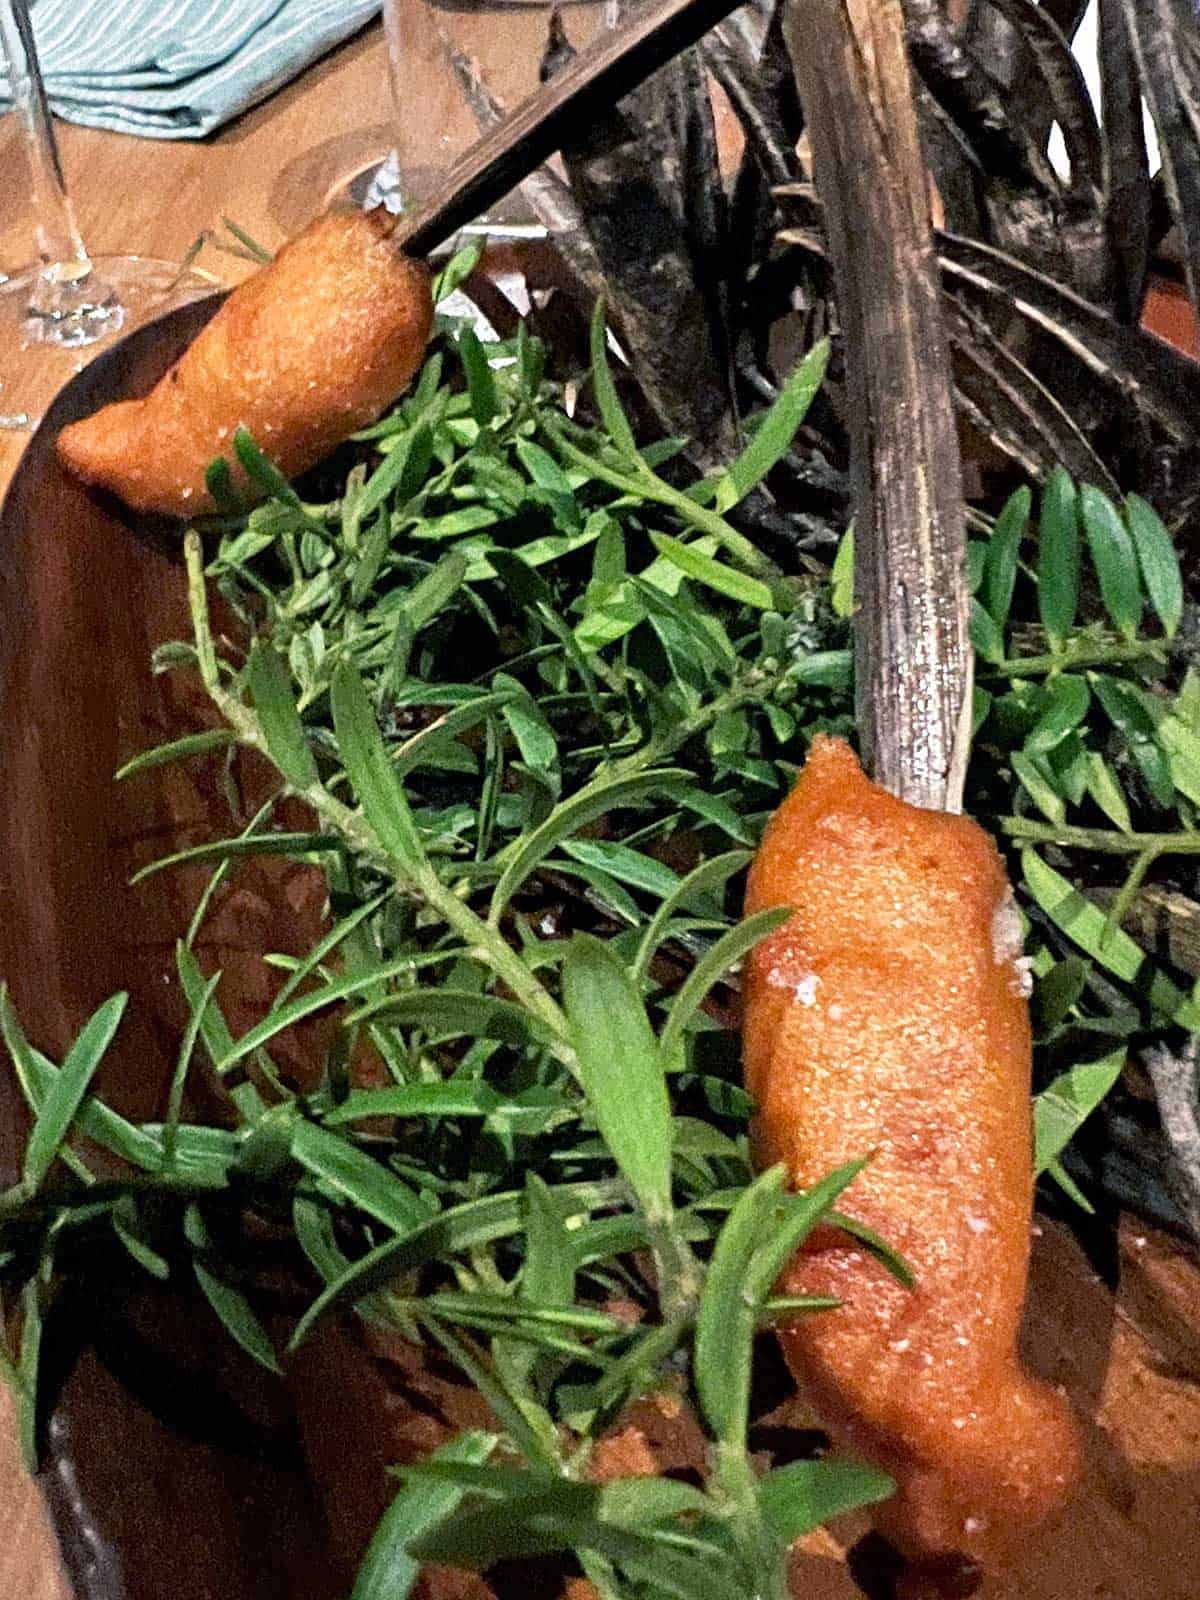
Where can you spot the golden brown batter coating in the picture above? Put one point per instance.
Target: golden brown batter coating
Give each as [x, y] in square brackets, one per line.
[889, 1015]
[311, 348]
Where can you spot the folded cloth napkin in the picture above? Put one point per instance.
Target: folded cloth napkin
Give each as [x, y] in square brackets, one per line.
[177, 69]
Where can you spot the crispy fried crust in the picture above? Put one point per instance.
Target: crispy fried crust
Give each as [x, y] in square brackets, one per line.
[314, 346]
[888, 1015]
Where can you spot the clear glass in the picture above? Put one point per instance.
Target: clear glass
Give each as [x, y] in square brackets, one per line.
[458, 64]
[65, 302]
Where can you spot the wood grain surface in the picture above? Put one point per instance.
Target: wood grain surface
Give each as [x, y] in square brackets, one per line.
[1130, 1359]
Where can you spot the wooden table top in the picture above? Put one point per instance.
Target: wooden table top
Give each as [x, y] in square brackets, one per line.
[1130, 1360]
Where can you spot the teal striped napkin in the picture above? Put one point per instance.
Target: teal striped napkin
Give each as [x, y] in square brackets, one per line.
[177, 69]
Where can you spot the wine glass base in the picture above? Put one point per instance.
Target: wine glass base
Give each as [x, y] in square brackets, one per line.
[40, 351]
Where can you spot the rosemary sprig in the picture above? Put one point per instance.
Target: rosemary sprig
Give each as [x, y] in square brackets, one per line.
[538, 747]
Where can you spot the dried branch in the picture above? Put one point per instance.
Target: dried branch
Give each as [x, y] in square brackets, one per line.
[1164, 49]
[1177, 1088]
[646, 179]
[549, 197]
[1127, 179]
[852, 73]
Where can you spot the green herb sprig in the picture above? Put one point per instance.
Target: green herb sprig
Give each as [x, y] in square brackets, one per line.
[538, 701]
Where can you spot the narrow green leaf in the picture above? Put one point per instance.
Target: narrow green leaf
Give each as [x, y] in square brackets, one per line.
[1065, 1105]
[257, 844]
[1070, 1188]
[262, 471]
[543, 469]
[627, 865]
[326, 946]
[1065, 707]
[430, 597]
[388, 1571]
[187, 1046]
[702, 880]
[566, 1516]
[608, 892]
[67, 1092]
[1106, 791]
[600, 797]
[270, 686]
[612, 413]
[762, 1231]
[410, 755]
[716, 809]
[481, 384]
[192, 744]
[1087, 925]
[841, 576]
[461, 1228]
[240, 1322]
[370, 771]
[527, 1424]
[712, 965]
[37, 1077]
[125, 1226]
[455, 1012]
[360, 1179]
[548, 1274]
[976, 558]
[1058, 556]
[1057, 992]
[1159, 562]
[398, 476]
[1183, 752]
[214, 1030]
[450, 1099]
[529, 727]
[776, 432]
[1003, 549]
[1042, 793]
[218, 480]
[29, 1365]
[1132, 719]
[805, 1494]
[451, 278]
[285, 1014]
[786, 1307]
[621, 1069]
[316, 1231]
[715, 575]
[986, 637]
[876, 1246]
[1114, 558]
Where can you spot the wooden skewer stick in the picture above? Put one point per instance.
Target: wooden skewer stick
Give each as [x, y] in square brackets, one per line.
[608, 68]
[912, 646]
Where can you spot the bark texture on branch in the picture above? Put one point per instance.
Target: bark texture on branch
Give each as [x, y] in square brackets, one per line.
[914, 656]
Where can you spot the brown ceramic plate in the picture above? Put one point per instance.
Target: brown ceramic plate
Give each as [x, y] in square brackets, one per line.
[171, 1465]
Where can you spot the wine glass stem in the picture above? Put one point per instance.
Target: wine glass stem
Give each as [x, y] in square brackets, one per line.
[60, 247]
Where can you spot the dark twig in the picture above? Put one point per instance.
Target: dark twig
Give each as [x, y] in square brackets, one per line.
[1128, 193]
[550, 198]
[1177, 1088]
[1159, 37]
[610, 67]
[914, 677]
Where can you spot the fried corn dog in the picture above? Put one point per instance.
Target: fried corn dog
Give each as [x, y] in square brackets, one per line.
[888, 1014]
[311, 348]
